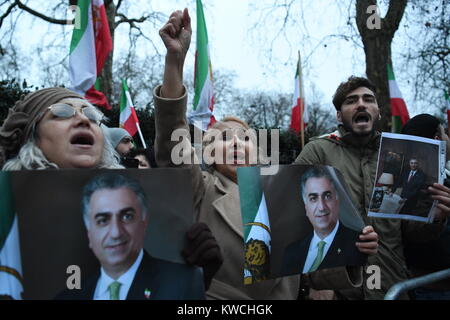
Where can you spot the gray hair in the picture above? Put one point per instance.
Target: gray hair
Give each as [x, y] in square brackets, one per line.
[112, 181]
[31, 157]
[315, 172]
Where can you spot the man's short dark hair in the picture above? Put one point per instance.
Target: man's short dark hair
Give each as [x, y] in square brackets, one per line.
[112, 181]
[351, 84]
[315, 172]
[423, 125]
[149, 154]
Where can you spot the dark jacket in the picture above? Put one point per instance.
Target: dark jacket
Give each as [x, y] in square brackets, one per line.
[342, 252]
[164, 280]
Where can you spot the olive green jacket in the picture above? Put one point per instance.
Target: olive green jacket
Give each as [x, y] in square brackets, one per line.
[357, 163]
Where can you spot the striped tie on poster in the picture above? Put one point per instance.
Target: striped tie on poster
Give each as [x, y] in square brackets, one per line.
[256, 223]
[11, 284]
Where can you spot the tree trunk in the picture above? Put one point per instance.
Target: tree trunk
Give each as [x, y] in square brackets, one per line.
[377, 48]
[378, 55]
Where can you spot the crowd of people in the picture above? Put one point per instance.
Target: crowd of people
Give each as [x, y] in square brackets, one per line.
[55, 128]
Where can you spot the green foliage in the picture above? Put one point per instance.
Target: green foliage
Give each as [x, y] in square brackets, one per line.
[290, 146]
[10, 92]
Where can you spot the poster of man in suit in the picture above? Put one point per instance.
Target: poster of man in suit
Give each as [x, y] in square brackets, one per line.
[330, 243]
[403, 192]
[412, 181]
[107, 235]
[306, 205]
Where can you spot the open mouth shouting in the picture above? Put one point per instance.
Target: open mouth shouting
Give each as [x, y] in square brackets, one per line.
[362, 118]
[83, 140]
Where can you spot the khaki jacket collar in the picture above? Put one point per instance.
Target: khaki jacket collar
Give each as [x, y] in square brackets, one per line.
[344, 137]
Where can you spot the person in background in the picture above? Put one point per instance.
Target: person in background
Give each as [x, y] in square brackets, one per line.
[121, 141]
[434, 255]
[146, 157]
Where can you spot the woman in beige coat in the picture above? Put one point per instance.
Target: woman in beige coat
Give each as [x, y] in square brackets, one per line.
[215, 191]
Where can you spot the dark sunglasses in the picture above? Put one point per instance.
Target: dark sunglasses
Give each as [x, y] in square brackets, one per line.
[65, 111]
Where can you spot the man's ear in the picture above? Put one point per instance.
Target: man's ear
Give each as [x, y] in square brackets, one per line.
[339, 116]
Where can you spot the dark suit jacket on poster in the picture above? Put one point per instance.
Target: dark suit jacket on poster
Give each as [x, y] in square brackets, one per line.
[342, 252]
[411, 189]
[165, 280]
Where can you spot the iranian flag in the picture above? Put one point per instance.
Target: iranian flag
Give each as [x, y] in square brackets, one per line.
[91, 43]
[398, 107]
[202, 114]
[128, 118]
[255, 218]
[11, 283]
[299, 111]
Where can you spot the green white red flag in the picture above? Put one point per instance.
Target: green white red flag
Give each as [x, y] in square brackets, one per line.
[202, 114]
[128, 118]
[299, 111]
[255, 219]
[91, 43]
[398, 106]
[11, 282]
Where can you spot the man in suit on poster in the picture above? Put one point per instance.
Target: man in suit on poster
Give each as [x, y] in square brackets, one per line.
[411, 182]
[331, 244]
[115, 213]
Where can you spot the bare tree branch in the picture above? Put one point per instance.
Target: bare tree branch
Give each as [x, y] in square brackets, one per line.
[119, 3]
[132, 22]
[40, 15]
[8, 11]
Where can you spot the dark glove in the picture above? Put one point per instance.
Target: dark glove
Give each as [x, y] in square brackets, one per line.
[202, 249]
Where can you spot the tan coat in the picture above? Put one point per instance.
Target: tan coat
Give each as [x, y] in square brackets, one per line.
[216, 202]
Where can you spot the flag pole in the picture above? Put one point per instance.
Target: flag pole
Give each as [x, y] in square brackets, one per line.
[447, 100]
[130, 102]
[300, 76]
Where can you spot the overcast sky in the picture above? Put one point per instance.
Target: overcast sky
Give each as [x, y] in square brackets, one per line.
[236, 47]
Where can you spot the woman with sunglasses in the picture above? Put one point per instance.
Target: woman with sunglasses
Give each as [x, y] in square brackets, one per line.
[55, 128]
